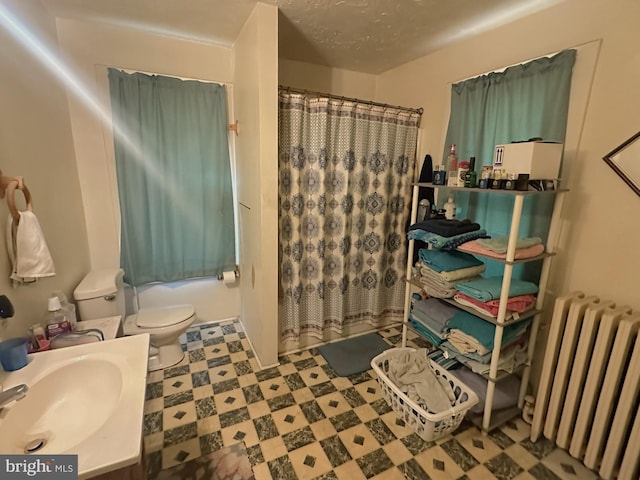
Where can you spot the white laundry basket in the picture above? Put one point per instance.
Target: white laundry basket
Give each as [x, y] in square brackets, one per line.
[428, 425]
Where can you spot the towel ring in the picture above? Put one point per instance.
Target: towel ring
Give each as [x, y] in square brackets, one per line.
[11, 200]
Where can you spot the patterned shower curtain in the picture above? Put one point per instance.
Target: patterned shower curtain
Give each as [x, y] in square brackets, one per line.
[345, 173]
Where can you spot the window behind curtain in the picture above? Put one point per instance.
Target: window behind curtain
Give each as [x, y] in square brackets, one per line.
[522, 102]
[174, 177]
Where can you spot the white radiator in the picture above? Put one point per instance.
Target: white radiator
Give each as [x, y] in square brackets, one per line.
[588, 398]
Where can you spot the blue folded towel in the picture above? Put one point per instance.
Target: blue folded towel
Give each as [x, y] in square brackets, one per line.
[447, 261]
[445, 243]
[424, 331]
[434, 313]
[489, 288]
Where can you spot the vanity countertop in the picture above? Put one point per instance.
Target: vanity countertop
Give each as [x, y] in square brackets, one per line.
[109, 326]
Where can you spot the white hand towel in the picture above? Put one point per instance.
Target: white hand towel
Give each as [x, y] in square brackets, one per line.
[28, 250]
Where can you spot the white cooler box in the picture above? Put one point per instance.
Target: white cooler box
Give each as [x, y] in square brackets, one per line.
[541, 160]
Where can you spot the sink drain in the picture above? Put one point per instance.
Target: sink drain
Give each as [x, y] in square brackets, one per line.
[35, 445]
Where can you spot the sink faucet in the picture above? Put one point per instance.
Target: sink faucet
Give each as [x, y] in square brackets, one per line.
[16, 393]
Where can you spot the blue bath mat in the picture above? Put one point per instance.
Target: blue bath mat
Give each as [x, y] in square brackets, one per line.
[354, 355]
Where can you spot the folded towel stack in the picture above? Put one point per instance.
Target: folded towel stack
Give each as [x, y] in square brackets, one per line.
[471, 341]
[430, 318]
[489, 288]
[497, 247]
[445, 234]
[440, 271]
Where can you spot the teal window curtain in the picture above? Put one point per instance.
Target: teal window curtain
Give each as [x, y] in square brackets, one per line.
[174, 177]
[522, 102]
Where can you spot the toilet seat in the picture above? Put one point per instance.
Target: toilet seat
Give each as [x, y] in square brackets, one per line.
[163, 316]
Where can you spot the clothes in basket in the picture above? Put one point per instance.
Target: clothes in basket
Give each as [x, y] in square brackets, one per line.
[411, 372]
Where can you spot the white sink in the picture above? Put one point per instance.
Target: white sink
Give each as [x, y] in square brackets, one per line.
[86, 400]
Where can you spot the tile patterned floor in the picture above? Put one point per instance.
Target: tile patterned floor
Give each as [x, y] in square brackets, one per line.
[300, 421]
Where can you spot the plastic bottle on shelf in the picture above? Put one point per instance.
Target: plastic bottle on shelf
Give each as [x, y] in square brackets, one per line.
[471, 177]
[68, 307]
[424, 210]
[450, 209]
[56, 319]
[463, 168]
[452, 167]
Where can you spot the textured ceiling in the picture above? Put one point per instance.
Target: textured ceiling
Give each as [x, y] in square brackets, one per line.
[363, 35]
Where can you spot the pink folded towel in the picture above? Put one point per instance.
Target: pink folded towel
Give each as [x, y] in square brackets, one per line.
[521, 253]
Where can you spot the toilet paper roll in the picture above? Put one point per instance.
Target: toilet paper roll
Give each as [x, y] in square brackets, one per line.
[228, 277]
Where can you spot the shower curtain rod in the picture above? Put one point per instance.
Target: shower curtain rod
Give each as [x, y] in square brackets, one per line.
[419, 111]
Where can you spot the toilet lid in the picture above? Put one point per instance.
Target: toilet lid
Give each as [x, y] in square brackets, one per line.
[164, 317]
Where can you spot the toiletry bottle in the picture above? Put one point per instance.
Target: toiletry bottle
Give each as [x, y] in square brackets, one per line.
[38, 336]
[463, 168]
[68, 307]
[450, 209]
[496, 179]
[485, 176]
[424, 210]
[470, 178]
[439, 175]
[452, 167]
[57, 319]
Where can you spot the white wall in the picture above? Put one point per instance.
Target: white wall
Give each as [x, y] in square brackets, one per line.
[598, 252]
[36, 143]
[256, 101]
[90, 49]
[319, 78]
[599, 237]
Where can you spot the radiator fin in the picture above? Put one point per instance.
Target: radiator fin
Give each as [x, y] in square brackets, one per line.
[589, 393]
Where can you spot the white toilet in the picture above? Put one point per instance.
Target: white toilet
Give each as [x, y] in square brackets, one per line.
[101, 294]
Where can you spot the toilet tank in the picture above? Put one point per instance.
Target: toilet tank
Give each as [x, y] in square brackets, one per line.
[100, 294]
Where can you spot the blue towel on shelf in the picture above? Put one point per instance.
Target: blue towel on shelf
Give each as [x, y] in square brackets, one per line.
[445, 227]
[431, 337]
[434, 313]
[489, 288]
[447, 261]
[445, 243]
